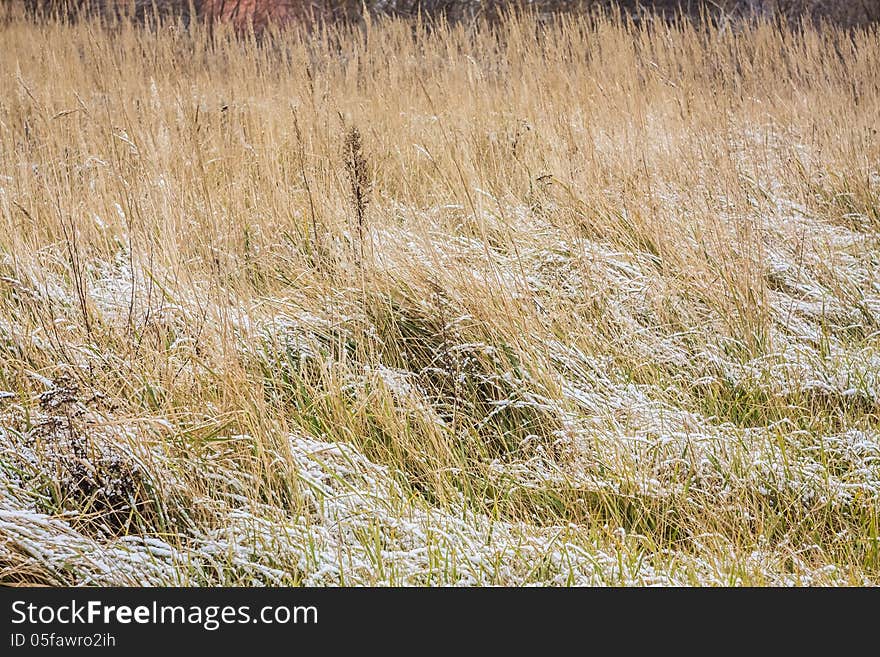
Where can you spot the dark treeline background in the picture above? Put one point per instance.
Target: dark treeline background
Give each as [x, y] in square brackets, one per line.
[842, 12]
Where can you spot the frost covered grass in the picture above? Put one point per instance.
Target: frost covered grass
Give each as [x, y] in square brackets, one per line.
[569, 302]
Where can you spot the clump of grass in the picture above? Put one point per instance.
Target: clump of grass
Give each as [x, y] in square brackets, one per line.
[73, 465]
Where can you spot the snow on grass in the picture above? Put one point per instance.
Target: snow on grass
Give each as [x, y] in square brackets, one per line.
[635, 346]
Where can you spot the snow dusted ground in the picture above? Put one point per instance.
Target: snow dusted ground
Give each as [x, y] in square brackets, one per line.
[362, 530]
[644, 448]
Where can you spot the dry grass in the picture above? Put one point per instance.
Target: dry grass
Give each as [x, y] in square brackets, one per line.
[578, 303]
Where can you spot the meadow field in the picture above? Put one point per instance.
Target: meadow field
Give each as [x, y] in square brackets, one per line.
[547, 300]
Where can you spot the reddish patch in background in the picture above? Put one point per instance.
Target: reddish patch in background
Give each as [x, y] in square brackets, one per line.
[240, 13]
[259, 13]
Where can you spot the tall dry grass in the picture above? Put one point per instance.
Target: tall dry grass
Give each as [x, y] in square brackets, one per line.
[571, 302]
